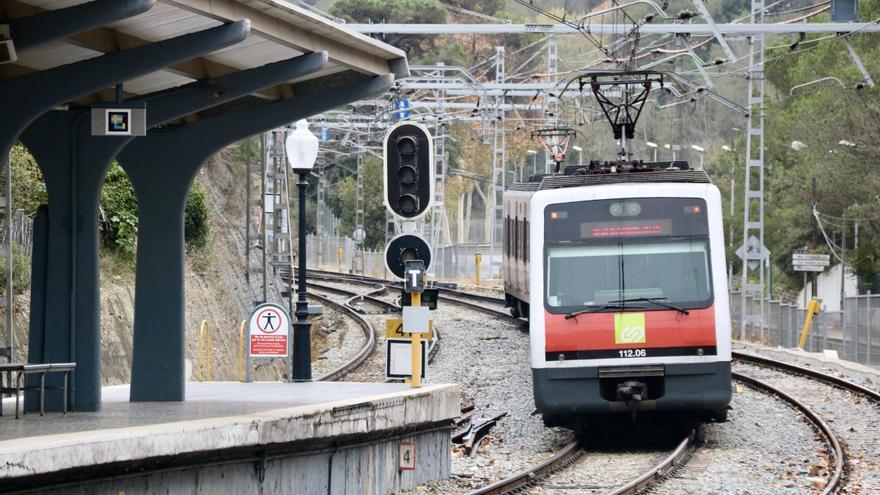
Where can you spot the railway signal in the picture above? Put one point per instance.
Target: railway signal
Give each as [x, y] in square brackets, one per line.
[405, 248]
[408, 170]
[409, 192]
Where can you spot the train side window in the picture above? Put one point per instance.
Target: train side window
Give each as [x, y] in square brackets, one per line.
[506, 247]
[516, 239]
[526, 241]
[504, 239]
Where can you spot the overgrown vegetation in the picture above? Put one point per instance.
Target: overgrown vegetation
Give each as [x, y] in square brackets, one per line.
[343, 204]
[118, 219]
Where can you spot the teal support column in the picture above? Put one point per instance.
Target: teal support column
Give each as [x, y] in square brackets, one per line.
[73, 164]
[162, 166]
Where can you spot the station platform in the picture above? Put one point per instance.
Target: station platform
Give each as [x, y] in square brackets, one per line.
[241, 438]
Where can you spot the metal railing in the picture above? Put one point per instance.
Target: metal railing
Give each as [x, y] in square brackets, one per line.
[853, 333]
[449, 263]
[22, 233]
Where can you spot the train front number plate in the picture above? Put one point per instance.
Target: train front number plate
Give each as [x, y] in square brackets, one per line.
[633, 353]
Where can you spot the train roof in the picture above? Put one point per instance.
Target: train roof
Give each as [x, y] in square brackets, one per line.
[561, 181]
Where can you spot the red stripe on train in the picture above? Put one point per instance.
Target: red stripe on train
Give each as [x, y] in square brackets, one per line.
[666, 328]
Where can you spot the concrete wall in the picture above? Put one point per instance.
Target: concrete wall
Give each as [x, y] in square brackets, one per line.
[829, 288]
[363, 469]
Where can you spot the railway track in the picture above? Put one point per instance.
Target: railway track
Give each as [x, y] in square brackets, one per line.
[567, 456]
[360, 317]
[852, 406]
[365, 351]
[477, 302]
[571, 452]
[835, 449]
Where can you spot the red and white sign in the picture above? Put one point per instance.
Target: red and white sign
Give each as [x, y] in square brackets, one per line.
[269, 330]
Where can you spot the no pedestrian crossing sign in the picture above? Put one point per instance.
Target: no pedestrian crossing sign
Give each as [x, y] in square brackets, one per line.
[269, 331]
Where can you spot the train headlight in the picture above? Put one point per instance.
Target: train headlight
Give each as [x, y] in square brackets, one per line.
[627, 209]
[616, 209]
[632, 208]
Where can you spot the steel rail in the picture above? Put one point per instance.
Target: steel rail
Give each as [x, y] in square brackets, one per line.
[368, 348]
[571, 452]
[445, 293]
[369, 297]
[677, 458]
[835, 449]
[369, 331]
[810, 373]
[568, 454]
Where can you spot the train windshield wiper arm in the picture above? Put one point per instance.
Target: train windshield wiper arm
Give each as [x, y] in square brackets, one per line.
[655, 300]
[593, 308]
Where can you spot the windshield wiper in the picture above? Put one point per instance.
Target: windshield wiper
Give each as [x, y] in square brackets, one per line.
[655, 300]
[593, 308]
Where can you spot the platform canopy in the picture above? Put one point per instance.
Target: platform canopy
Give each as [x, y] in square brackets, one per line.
[206, 73]
[279, 31]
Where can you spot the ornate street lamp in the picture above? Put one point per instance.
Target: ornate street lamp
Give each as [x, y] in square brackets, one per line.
[302, 151]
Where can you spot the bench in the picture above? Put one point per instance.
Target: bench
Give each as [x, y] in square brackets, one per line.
[17, 384]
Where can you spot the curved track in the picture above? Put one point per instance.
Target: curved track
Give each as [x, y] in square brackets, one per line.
[368, 348]
[809, 373]
[835, 449]
[357, 314]
[856, 448]
[571, 452]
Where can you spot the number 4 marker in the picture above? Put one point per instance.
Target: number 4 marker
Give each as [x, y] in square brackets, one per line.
[406, 456]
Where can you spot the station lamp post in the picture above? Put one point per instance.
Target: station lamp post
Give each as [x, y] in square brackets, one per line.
[534, 161]
[701, 151]
[302, 151]
[580, 154]
[649, 144]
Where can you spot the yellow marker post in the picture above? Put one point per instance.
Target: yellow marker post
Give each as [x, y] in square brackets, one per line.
[416, 339]
[202, 351]
[340, 255]
[812, 309]
[478, 258]
[241, 350]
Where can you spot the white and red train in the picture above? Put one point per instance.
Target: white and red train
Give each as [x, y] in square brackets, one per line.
[622, 276]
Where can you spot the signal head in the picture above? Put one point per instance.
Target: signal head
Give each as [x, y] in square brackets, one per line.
[409, 170]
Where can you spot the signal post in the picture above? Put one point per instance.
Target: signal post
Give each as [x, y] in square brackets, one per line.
[409, 192]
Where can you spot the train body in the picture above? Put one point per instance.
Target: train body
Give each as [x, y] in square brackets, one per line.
[622, 277]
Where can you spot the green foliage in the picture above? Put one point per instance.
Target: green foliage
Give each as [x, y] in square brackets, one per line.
[119, 220]
[488, 7]
[344, 205]
[247, 150]
[450, 54]
[29, 190]
[846, 177]
[195, 219]
[396, 11]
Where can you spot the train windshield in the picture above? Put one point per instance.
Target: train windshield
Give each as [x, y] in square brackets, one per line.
[607, 252]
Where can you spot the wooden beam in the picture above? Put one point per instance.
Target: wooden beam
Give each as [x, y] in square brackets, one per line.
[108, 40]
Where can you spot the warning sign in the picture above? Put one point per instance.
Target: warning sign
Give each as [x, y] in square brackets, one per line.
[269, 330]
